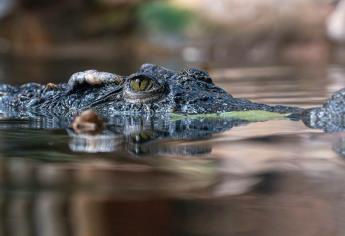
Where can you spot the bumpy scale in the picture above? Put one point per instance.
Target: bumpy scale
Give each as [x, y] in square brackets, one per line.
[152, 89]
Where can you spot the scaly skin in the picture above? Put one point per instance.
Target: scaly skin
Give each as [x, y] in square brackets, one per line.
[189, 91]
[330, 117]
[152, 90]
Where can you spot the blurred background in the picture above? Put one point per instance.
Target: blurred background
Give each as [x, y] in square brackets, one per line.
[265, 178]
[48, 37]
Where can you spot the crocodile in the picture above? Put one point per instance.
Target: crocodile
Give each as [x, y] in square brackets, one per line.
[152, 90]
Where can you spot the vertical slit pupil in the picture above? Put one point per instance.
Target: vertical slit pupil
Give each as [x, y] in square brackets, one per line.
[138, 81]
[142, 83]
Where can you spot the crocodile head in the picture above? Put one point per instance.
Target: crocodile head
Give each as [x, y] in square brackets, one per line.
[156, 89]
[152, 89]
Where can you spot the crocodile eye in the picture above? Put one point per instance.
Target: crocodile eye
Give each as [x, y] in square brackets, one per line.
[141, 84]
[141, 88]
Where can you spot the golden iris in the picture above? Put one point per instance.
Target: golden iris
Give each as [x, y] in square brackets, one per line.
[141, 84]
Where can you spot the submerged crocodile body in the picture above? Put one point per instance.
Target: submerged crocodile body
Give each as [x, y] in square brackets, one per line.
[152, 89]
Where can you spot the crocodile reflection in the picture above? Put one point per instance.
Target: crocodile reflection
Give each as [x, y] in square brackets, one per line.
[339, 146]
[146, 134]
[142, 135]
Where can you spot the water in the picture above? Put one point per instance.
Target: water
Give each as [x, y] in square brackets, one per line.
[143, 177]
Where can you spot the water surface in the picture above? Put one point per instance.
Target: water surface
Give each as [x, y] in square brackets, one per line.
[145, 177]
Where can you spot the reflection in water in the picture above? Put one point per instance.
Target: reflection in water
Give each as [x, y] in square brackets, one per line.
[339, 147]
[144, 176]
[277, 203]
[104, 142]
[139, 135]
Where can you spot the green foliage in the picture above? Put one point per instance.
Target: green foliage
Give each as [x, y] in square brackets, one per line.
[161, 16]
